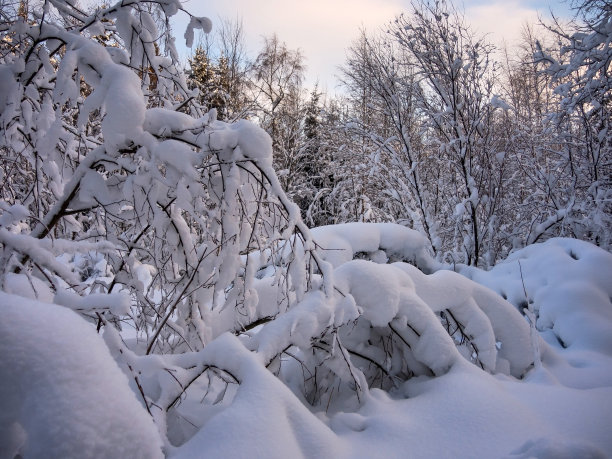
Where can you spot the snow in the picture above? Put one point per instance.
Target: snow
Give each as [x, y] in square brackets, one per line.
[469, 414]
[125, 107]
[117, 303]
[569, 283]
[265, 419]
[62, 393]
[465, 413]
[159, 121]
[28, 287]
[560, 408]
[196, 23]
[254, 142]
[240, 140]
[558, 449]
[498, 102]
[8, 92]
[547, 413]
[484, 315]
[31, 247]
[340, 243]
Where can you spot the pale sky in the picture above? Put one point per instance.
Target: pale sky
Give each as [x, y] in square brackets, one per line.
[324, 29]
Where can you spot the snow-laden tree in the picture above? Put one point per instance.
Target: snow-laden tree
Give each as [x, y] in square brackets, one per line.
[424, 113]
[381, 80]
[455, 72]
[316, 173]
[341, 187]
[208, 78]
[173, 201]
[482, 161]
[580, 71]
[282, 108]
[529, 145]
[169, 231]
[117, 204]
[276, 78]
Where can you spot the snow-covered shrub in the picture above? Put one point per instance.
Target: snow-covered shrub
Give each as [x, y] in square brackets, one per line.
[579, 69]
[106, 157]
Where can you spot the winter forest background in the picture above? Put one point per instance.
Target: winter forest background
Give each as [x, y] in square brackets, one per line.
[210, 259]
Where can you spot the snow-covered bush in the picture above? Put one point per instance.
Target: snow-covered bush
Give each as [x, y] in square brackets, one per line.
[106, 158]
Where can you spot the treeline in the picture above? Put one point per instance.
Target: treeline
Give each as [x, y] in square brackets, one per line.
[483, 151]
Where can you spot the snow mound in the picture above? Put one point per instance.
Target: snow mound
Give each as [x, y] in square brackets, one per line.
[62, 393]
[387, 323]
[264, 420]
[544, 448]
[567, 284]
[486, 317]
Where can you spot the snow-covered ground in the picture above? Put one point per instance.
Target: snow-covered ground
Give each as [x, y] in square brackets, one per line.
[63, 394]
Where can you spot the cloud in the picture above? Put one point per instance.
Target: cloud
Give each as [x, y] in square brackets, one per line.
[324, 29]
[321, 29]
[501, 21]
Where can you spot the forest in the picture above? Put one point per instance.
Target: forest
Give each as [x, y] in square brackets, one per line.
[211, 259]
[432, 131]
